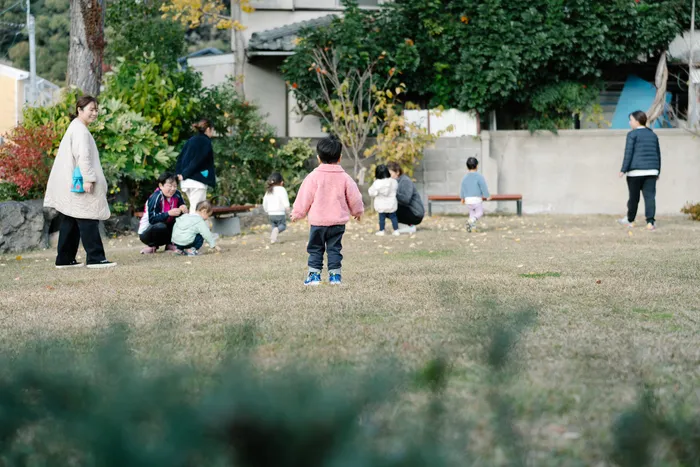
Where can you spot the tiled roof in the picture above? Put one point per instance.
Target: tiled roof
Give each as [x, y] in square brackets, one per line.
[282, 39]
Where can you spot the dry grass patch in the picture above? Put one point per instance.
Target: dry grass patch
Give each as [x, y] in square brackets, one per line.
[613, 310]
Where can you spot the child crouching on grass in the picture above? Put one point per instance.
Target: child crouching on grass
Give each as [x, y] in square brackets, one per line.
[276, 205]
[473, 192]
[191, 231]
[329, 196]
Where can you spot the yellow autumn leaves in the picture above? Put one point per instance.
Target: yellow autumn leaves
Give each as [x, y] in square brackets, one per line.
[194, 13]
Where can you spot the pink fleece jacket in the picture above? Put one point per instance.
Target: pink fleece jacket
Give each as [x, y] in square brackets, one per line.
[329, 196]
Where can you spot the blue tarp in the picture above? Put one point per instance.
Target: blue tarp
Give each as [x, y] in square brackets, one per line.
[636, 95]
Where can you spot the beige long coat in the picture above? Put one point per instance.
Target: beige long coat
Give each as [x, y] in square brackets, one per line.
[77, 147]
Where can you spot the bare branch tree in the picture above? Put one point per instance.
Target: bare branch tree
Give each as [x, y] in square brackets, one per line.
[349, 101]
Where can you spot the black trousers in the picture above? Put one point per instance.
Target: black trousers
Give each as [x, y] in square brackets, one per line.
[647, 186]
[406, 216]
[326, 240]
[157, 234]
[71, 232]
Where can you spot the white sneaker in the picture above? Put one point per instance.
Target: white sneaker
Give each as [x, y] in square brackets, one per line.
[102, 265]
[624, 221]
[274, 234]
[380, 233]
[411, 229]
[396, 233]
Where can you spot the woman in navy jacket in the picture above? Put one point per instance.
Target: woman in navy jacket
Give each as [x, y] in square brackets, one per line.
[642, 165]
[195, 166]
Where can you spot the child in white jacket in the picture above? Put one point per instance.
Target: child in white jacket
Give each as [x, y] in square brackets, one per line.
[276, 205]
[383, 190]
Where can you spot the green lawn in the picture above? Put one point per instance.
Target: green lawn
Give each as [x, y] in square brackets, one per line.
[613, 309]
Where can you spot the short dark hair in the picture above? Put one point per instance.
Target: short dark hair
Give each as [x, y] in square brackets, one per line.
[81, 103]
[381, 172]
[472, 163]
[640, 116]
[167, 177]
[395, 167]
[205, 206]
[329, 150]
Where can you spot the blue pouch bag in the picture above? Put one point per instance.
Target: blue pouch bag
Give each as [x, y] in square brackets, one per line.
[77, 184]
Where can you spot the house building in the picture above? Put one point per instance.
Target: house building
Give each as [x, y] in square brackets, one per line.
[272, 28]
[269, 38]
[14, 84]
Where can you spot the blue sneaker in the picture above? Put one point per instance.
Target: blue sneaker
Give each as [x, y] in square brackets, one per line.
[335, 279]
[314, 278]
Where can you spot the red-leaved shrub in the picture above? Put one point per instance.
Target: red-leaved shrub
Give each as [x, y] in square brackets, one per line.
[24, 158]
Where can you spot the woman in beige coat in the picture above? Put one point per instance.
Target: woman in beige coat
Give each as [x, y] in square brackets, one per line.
[82, 212]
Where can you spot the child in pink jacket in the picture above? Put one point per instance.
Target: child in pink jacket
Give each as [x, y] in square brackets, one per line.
[329, 197]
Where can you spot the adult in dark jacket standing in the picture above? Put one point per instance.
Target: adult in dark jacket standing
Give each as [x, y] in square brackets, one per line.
[411, 210]
[642, 166]
[195, 166]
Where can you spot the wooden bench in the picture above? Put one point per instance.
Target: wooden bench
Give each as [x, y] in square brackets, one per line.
[450, 199]
[224, 219]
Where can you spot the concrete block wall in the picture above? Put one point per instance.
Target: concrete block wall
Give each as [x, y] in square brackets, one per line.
[576, 172]
[572, 172]
[442, 169]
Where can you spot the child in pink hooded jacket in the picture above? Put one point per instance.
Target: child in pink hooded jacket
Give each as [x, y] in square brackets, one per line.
[329, 197]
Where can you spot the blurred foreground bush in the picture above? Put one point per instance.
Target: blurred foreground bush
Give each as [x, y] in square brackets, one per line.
[105, 407]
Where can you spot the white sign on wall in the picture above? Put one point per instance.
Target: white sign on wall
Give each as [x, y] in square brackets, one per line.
[463, 123]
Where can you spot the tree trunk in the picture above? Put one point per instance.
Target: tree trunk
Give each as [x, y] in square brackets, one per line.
[658, 107]
[87, 19]
[238, 47]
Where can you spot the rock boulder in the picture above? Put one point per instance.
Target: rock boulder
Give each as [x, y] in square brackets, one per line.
[23, 226]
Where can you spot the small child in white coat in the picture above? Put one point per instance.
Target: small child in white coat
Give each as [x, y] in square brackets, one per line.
[383, 190]
[276, 205]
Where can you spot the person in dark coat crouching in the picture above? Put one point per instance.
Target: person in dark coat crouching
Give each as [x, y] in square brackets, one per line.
[411, 210]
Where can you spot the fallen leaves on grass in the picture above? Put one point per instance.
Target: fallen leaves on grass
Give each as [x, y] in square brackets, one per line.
[540, 275]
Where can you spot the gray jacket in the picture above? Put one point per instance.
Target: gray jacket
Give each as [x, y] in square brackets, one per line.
[408, 195]
[642, 151]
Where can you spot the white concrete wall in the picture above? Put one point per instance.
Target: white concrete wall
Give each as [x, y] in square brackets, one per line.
[462, 123]
[308, 127]
[260, 5]
[215, 69]
[576, 172]
[265, 86]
